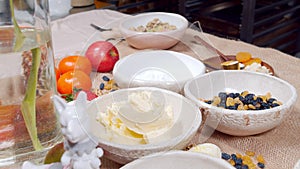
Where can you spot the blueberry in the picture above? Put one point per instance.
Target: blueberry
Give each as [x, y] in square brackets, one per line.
[236, 95]
[259, 100]
[208, 101]
[230, 95]
[254, 102]
[226, 156]
[242, 99]
[101, 87]
[271, 100]
[265, 106]
[247, 101]
[236, 105]
[237, 166]
[105, 78]
[275, 105]
[245, 167]
[238, 161]
[261, 165]
[231, 107]
[233, 156]
[249, 96]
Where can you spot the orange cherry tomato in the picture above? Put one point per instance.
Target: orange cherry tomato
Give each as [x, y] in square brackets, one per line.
[71, 63]
[57, 73]
[73, 79]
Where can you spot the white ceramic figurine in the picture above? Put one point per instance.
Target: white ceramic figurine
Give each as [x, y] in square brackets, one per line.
[80, 145]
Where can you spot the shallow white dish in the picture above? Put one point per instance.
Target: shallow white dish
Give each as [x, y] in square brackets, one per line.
[241, 122]
[153, 40]
[160, 68]
[187, 119]
[178, 160]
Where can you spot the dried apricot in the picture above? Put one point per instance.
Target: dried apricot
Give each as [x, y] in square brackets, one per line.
[252, 60]
[243, 56]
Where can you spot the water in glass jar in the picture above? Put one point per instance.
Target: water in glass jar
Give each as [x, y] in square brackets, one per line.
[16, 78]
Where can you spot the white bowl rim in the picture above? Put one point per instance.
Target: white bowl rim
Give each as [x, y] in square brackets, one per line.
[285, 105]
[196, 123]
[181, 153]
[195, 61]
[185, 25]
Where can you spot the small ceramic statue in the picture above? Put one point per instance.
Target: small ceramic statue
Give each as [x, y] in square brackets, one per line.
[80, 145]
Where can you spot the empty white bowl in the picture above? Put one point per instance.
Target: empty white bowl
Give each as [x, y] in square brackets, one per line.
[178, 160]
[121, 149]
[160, 68]
[153, 40]
[241, 122]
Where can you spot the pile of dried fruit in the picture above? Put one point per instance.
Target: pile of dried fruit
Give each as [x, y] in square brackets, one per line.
[251, 63]
[105, 86]
[246, 161]
[243, 101]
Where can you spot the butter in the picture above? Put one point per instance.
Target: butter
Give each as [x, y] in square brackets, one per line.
[207, 148]
[147, 118]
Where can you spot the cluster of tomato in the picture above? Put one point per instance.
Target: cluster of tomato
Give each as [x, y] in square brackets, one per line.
[73, 72]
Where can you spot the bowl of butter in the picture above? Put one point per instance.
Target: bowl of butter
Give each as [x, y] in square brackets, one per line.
[135, 122]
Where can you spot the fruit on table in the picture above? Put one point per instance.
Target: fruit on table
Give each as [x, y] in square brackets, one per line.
[252, 60]
[243, 56]
[103, 55]
[71, 63]
[90, 95]
[73, 79]
[246, 58]
[57, 73]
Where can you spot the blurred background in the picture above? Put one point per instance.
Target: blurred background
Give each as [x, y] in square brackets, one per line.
[265, 23]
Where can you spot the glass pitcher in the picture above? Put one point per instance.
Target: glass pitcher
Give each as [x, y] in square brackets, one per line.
[28, 121]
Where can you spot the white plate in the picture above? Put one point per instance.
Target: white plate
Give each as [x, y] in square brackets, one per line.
[178, 160]
[160, 68]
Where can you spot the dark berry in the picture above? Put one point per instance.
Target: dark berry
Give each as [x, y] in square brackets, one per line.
[105, 78]
[230, 95]
[275, 105]
[245, 167]
[238, 161]
[226, 156]
[231, 107]
[271, 100]
[265, 105]
[242, 99]
[259, 100]
[236, 95]
[208, 101]
[236, 105]
[237, 166]
[254, 102]
[249, 96]
[261, 165]
[101, 87]
[233, 157]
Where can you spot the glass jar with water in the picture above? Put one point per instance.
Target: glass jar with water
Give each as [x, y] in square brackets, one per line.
[28, 121]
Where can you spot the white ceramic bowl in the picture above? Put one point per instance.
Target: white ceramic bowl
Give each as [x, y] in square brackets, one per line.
[153, 40]
[241, 122]
[178, 160]
[187, 119]
[159, 68]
